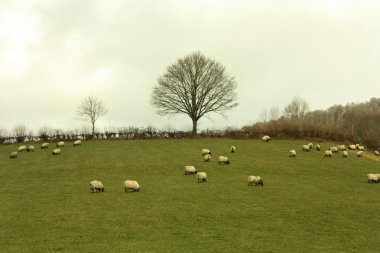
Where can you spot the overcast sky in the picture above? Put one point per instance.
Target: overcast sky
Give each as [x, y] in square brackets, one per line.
[54, 53]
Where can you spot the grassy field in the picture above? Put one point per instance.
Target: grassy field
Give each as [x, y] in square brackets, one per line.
[308, 203]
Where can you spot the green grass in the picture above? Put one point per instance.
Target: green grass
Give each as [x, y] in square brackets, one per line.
[308, 203]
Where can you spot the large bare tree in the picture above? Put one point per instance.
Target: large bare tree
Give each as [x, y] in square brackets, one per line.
[194, 85]
[91, 109]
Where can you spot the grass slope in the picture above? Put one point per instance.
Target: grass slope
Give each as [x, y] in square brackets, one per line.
[308, 203]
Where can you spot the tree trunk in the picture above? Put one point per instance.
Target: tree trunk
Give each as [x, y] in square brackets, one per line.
[93, 131]
[194, 126]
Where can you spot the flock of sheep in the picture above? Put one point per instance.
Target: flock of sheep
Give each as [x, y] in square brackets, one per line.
[372, 178]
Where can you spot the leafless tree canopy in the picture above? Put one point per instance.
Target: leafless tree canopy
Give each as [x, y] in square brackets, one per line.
[91, 109]
[20, 131]
[194, 85]
[297, 108]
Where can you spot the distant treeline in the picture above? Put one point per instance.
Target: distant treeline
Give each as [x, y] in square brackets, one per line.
[352, 123]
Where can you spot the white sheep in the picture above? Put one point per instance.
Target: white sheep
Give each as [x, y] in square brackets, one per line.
[201, 177]
[352, 147]
[45, 145]
[22, 148]
[13, 154]
[292, 153]
[305, 148]
[359, 153]
[206, 151]
[56, 151]
[207, 157]
[373, 178]
[344, 154]
[317, 147]
[310, 145]
[376, 153]
[266, 138]
[360, 147]
[132, 185]
[30, 148]
[190, 170]
[77, 143]
[223, 160]
[233, 149]
[255, 180]
[328, 153]
[334, 149]
[342, 147]
[60, 144]
[96, 186]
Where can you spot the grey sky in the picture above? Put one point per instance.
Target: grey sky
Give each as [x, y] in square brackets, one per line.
[54, 53]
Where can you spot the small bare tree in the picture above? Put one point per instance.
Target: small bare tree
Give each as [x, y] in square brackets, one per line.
[91, 109]
[20, 131]
[194, 85]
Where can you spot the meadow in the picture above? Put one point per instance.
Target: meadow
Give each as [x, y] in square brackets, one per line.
[307, 204]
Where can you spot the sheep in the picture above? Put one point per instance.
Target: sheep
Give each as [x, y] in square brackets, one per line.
[342, 147]
[310, 145]
[22, 148]
[317, 147]
[205, 152]
[45, 145]
[292, 153]
[13, 155]
[360, 147]
[233, 149]
[352, 147]
[190, 170]
[255, 180]
[96, 186]
[305, 148]
[201, 177]
[207, 157]
[328, 153]
[30, 148]
[77, 143]
[334, 149]
[223, 160]
[266, 138]
[131, 184]
[60, 144]
[359, 153]
[373, 178]
[56, 151]
[376, 153]
[344, 154]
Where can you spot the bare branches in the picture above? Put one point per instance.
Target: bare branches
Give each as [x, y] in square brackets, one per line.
[194, 85]
[91, 109]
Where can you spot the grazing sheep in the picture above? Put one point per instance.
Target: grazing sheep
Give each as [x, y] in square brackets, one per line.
[96, 186]
[292, 153]
[376, 152]
[334, 149]
[310, 145]
[56, 151]
[60, 144]
[30, 148]
[344, 154]
[22, 148]
[190, 170]
[328, 153]
[373, 178]
[131, 184]
[45, 145]
[201, 177]
[342, 147]
[223, 160]
[266, 138]
[352, 147]
[360, 147]
[207, 157]
[77, 143]
[233, 149]
[255, 180]
[359, 153]
[317, 147]
[13, 155]
[206, 152]
[305, 148]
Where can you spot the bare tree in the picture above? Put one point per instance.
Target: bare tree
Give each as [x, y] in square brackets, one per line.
[20, 131]
[274, 113]
[297, 108]
[91, 109]
[194, 85]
